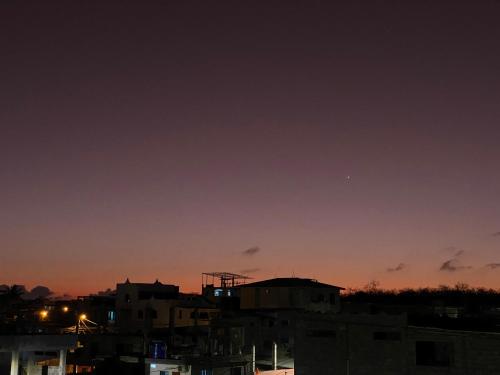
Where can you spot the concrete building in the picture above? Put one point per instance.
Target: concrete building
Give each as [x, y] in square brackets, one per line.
[222, 288]
[26, 351]
[144, 306]
[193, 310]
[290, 293]
[384, 344]
[268, 316]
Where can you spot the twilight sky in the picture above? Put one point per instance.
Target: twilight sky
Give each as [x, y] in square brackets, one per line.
[343, 141]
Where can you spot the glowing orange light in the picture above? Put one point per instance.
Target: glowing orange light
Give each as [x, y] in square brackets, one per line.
[44, 314]
[83, 317]
[65, 309]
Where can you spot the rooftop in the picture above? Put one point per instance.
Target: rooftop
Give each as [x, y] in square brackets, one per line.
[294, 282]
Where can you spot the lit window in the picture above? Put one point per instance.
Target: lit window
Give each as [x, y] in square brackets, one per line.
[111, 315]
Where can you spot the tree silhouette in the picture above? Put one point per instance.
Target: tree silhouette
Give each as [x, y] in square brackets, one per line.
[11, 294]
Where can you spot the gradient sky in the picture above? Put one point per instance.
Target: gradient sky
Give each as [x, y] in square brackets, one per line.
[348, 141]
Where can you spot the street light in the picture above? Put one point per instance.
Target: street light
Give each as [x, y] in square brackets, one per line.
[81, 318]
[43, 314]
[65, 309]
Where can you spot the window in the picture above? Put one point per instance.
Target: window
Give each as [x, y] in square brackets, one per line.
[387, 336]
[433, 353]
[180, 314]
[318, 298]
[218, 293]
[140, 314]
[285, 323]
[333, 299]
[127, 298]
[153, 314]
[111, 316]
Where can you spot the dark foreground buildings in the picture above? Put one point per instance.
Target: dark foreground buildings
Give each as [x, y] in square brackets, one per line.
[282, 326]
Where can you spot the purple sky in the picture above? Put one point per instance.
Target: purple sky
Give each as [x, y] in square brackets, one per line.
[348, 142]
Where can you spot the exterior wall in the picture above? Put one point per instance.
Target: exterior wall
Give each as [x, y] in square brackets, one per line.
[355, 345]
[135, 313]
[154, 368]
[193, 316]
[139, 315]
[383, 344]
[26, 343]
[312, 299]
[273, 326]
[470, 352]
[110, 345]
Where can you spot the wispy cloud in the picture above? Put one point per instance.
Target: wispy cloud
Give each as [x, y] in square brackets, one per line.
[492, 266]
[456, 251]
[250, 252]
[453, 264]
[399, 267]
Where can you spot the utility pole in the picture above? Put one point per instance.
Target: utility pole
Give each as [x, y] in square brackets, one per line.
[275, 356]
[253, 359]
[77, 331]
